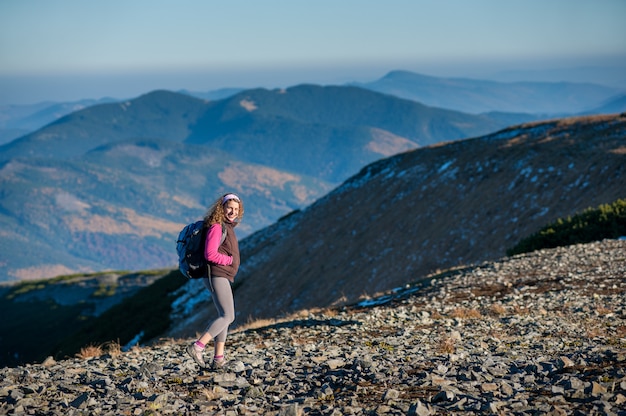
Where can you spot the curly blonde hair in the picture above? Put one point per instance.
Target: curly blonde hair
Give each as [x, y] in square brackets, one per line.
[216, 214]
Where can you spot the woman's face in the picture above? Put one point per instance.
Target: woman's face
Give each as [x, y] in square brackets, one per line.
[231, 210]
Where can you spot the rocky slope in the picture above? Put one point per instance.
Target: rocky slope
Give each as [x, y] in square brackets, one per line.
[433, 208]
[536, 334]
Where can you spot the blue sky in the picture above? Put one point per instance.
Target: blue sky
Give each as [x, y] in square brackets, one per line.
[73, 49]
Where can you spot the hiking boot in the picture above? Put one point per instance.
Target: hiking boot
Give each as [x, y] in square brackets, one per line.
[218, 363]
[196, 355]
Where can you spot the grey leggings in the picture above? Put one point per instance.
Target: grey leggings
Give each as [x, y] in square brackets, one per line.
[222, 295]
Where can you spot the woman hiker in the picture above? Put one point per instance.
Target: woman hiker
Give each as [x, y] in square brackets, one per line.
[223, 258]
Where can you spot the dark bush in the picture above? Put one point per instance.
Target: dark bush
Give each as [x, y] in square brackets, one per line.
[146, 312]
[593, 224]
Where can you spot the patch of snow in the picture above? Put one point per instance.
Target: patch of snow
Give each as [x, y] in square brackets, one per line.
[445, 166]
[187, 297]
[526, 171]
[505, 134]
[512, 185]
[396, 293]
[543, 212]
[133, 342]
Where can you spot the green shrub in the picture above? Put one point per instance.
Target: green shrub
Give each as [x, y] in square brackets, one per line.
[593, 224]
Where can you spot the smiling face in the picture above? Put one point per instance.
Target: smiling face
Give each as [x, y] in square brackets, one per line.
[231, 210]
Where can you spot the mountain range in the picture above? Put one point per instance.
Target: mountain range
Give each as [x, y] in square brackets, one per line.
[109, 186]
[548, 99]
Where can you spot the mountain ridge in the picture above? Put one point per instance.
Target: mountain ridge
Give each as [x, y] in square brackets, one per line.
[87, 186]
[551, 99]
[81, 131]
[19, 120]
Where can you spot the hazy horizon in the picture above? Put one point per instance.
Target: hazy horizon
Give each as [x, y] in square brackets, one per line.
[63, 88]
[69, 50]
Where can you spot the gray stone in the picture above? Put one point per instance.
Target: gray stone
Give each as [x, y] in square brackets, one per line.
[391, 394]
[238, 367]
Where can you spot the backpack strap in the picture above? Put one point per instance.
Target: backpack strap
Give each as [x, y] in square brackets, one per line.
[208, 265]
[223, 234]
[206, 228]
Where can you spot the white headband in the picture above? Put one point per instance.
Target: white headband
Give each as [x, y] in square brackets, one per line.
[228, 197]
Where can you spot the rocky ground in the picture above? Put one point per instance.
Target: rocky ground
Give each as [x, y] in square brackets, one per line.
[537, 334]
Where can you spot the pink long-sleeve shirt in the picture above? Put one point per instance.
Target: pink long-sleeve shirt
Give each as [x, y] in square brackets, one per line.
[211, 248]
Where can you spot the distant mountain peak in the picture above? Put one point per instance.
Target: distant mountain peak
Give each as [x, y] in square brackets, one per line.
[481, 96]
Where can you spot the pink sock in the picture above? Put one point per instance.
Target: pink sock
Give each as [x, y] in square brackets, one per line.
[218, 357]
[199, 345]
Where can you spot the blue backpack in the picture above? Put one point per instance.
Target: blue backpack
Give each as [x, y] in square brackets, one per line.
[190, 249]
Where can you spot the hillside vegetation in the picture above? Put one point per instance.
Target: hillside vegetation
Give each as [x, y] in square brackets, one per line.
[593, 224]
[67, 313]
